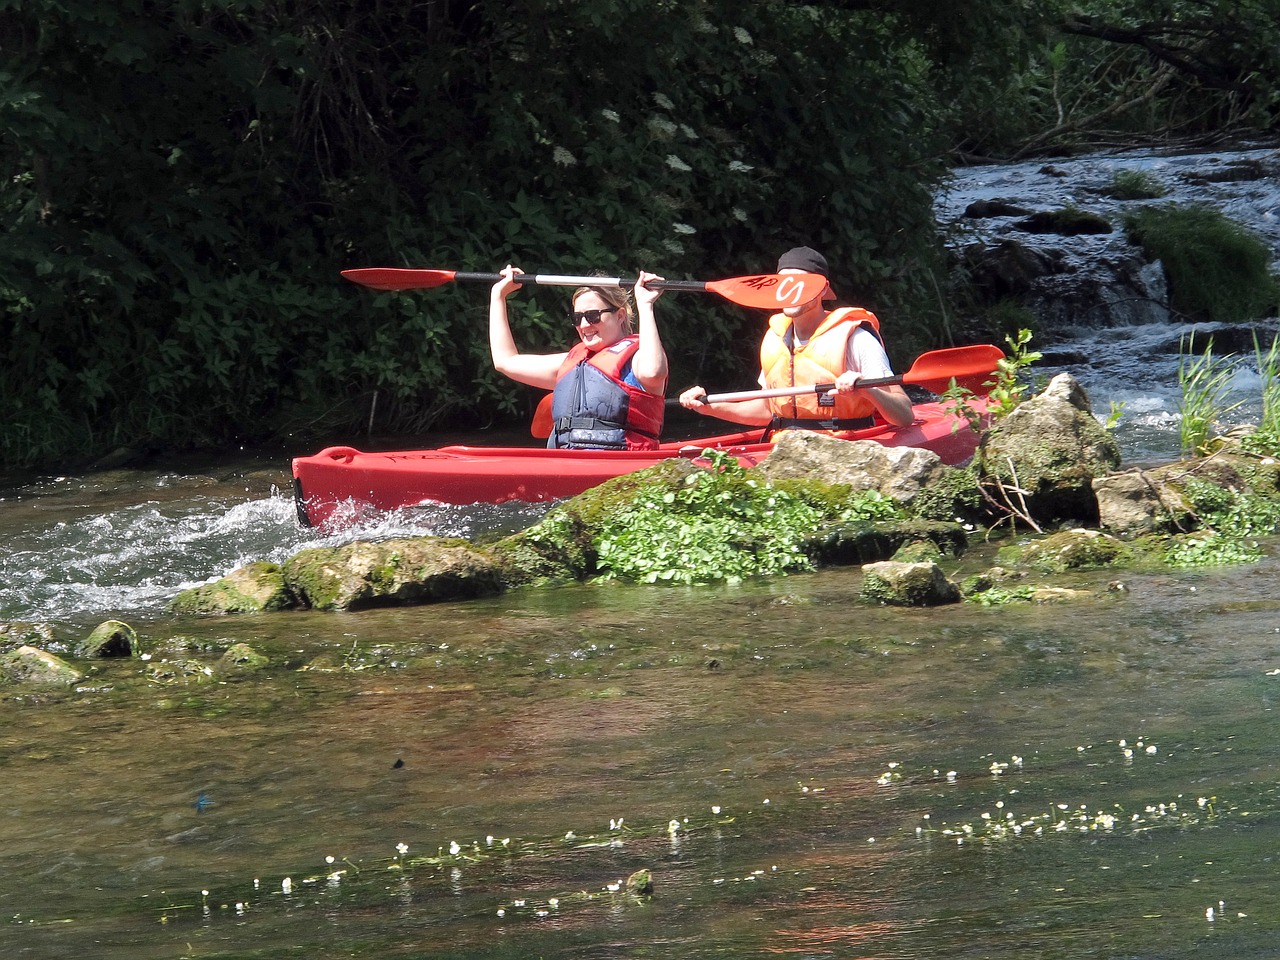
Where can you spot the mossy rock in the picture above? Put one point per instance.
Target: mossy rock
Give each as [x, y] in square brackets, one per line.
[240, 660]
[110, 639]
[253, 588]
[1068, 550]
[30, 666]
[955, 495]
[907, 585]
[393, 572]
[869, 541]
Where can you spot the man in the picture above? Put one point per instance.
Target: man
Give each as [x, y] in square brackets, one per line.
[806, 344]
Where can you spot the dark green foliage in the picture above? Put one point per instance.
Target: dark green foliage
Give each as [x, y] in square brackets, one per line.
[1136, 185]
[182, 184]
[1217, 270]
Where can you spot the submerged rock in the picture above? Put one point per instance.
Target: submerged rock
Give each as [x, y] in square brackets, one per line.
[239, 660]
[1068, 550]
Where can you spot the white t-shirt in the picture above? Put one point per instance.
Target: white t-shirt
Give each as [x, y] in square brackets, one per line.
[864, 354]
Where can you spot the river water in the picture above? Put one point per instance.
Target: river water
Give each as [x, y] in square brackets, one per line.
[803, 775]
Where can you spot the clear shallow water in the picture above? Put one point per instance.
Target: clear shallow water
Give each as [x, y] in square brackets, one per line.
[836, 773]
[1061, 781]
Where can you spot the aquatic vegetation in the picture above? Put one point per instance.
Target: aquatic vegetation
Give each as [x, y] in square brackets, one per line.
[1232, 522]
[722, 523]
[1205, 383]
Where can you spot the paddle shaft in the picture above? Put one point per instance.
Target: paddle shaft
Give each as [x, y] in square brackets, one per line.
[557, 280]
[818, 388]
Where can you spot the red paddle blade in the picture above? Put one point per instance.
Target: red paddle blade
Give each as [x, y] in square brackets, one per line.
[771, 291]
[971, 367]
[542, 422]
[398, 278]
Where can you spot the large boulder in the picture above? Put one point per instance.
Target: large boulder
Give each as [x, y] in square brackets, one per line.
[897, 472]
[1044, 456]
[420, 570]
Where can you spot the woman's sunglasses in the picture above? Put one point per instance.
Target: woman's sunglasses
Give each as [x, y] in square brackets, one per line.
[591, 316]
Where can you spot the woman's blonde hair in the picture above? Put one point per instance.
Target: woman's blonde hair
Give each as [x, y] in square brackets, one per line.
[615, 297]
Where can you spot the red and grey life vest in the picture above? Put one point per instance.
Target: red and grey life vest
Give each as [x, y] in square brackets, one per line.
[820, 360]
[594, 409]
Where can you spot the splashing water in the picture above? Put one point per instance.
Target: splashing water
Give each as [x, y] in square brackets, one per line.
[69, 557]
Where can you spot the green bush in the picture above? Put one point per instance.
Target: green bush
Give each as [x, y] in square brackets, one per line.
[1217, 270]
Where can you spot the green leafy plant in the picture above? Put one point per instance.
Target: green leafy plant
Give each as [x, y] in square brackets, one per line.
[1232, 521]
[1204, 381]
[1114, 414]
[1006, 390]
[722, 523]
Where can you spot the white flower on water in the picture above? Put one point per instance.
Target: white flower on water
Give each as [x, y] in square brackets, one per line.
[716, 810]
[673, 826]
[563, 157]
[662, 100]
[737, 166]
[286, 885]
[675, 163]
[454, 849]
[683, 228]
[610, 115]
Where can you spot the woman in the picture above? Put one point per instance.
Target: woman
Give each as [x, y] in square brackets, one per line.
[609, 386]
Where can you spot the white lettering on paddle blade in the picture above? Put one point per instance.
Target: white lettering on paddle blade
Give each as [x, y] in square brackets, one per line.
[789, 289]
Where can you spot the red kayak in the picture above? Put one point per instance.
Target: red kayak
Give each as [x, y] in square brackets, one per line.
[347, 481]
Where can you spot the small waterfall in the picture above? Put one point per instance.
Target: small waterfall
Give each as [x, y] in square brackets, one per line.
[1101, 309]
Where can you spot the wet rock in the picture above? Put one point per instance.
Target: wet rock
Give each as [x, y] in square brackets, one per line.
[869, 542]
[110, 639]
[640, 883]
[897, 472]
[31, 666]
[1044, 456]
[1068, 550]
[1139, 502]
[1065, 223]
[1006, 268]
[240, 660]
[907, 585]
[986, 209]
[918, 551]
[17, 634]
[253, 588]
[421, 570]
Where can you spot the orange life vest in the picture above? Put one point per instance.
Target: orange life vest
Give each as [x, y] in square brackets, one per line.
[820, 360]
[594, 408]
